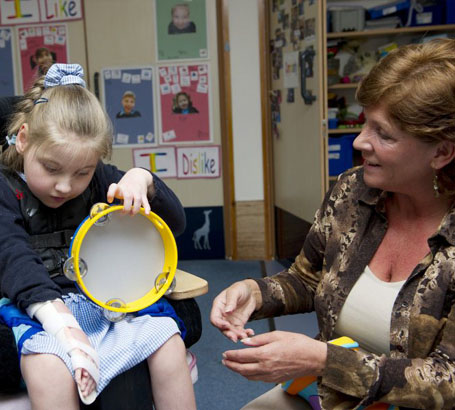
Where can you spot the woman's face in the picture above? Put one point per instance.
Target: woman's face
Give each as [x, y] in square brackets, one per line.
[183, 102]
[181, 17]
[393, 160]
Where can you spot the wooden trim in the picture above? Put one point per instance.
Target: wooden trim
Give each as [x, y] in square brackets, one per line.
[251, 241]
[355, 130]
[393, 31]
[323, 100]
[229, 213]
[342, 86]
[267, 143]
[87, 66]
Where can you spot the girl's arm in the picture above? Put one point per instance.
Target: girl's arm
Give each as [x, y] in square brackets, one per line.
[23, 277]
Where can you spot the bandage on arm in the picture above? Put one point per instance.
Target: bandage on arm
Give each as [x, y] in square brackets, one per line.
[55, 319]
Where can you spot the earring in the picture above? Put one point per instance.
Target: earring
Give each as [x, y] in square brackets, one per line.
[436, 186]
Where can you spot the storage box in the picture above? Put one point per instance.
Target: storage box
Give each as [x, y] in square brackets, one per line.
[388, 9]
[347, 18]
[430, 15]
[340, 153]
[450, 12]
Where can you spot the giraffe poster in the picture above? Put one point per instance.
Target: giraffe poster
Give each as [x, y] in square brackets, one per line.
[204, 234]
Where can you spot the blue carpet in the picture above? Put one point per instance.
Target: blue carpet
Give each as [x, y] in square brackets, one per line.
[218, 388]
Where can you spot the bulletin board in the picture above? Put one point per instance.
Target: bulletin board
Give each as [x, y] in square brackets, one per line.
[7, 63]
[128, 97]
[184, 103]
[53, 37]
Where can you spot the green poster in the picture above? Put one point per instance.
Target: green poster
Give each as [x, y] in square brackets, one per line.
[181, 29]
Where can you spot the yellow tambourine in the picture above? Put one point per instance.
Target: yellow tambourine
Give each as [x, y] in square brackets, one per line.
[121, 262]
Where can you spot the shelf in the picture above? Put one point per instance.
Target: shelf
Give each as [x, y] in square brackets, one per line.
[343, 86]
[344, 130]
[393, 31]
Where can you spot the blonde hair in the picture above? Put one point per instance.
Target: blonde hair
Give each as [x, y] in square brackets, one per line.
[416, 85]
[180, 5]
[70, 117]
[129, 94]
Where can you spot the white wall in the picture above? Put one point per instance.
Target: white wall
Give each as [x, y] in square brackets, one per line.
[131, 42]
[246, 103]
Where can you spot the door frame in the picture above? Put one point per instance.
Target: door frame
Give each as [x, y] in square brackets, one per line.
[267, 142]
[227, 146]
[224, 69]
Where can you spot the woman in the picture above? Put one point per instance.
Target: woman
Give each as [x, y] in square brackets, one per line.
[378, 263]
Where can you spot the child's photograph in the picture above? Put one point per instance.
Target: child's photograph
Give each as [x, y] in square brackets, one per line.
[181, 29]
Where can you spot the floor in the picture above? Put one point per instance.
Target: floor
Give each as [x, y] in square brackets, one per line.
[218, 388]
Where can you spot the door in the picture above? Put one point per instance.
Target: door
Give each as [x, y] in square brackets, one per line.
[297, 103]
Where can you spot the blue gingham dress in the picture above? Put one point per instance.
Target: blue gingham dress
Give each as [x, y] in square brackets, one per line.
[120, 345]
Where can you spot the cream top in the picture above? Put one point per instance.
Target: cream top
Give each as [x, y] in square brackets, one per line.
[366, 314]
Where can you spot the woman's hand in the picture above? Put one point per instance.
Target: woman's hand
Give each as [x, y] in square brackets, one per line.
[277, 356]
[133, 188]
[233, 307]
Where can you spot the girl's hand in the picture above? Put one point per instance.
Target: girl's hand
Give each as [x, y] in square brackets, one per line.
[84, 379]
[277, 356]
[233, 307]
[133, 188]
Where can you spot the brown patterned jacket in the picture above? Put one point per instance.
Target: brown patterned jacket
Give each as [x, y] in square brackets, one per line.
[419, 373]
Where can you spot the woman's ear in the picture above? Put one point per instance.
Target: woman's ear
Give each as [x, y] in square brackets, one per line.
[445, 153]
[22, 138]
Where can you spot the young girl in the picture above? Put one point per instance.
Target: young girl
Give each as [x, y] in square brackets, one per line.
[182, 104]
[51, 176]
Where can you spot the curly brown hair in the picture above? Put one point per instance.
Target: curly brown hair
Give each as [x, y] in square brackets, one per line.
[416, 85]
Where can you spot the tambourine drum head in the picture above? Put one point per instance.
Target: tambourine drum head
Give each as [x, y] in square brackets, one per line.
[123, 258]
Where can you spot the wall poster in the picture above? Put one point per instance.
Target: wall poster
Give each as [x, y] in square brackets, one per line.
[128, 98]
[184, 94]
[199, 162]
[181, 29]
[159, 160]
[204, 234]
[13, 12]
[7, 66]
[40, 46]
